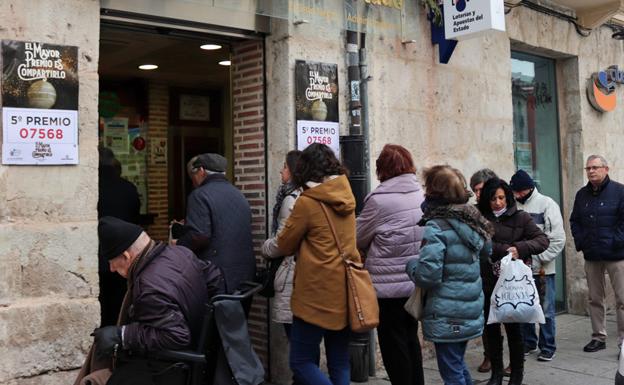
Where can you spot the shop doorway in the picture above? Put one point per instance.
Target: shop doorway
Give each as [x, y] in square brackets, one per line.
[164, 98]
[536, 134]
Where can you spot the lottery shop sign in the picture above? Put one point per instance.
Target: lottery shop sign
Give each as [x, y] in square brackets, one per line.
[39, 103]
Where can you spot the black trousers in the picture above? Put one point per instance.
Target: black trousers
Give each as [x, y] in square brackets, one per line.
[399, 344]
[494, 341]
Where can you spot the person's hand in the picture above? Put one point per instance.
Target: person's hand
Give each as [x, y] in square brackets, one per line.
[106, 339]
[514, 253]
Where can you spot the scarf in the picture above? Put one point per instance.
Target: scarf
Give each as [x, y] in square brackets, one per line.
[526, 197]
[127, 301]
[465, 213]
[282, 192]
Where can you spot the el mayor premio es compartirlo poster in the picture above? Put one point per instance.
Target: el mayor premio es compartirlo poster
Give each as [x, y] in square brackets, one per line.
[39, 103]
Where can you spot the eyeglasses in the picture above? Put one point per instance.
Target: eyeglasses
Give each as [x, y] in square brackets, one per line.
[593, 168]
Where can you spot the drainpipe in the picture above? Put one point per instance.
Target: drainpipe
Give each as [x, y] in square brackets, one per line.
[372, 362]
[353, 145]
[353, 73]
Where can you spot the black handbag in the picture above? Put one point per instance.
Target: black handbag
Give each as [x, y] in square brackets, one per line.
[266, 276]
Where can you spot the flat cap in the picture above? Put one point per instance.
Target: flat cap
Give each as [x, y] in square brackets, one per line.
[211, 162]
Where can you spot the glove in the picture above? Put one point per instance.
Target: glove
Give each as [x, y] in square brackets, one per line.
[106, 339]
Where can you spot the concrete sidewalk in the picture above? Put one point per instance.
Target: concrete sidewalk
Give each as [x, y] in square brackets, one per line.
[571, 366]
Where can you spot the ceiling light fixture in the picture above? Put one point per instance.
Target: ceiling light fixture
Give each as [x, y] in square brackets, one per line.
[210, 47]
[148, 67]
[225, 63]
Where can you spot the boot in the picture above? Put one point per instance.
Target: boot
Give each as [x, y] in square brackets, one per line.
[497, 377]
[515, 378]
[517, 372]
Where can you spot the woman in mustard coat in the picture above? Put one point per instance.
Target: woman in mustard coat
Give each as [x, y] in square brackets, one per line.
[319, 299]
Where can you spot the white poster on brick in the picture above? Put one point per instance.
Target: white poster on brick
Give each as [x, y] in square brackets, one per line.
[315, 131]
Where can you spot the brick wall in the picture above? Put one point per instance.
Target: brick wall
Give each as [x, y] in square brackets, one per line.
[157, 174]
[249, 164]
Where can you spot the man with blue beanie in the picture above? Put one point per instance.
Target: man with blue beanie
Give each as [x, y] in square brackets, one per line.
[547, 215]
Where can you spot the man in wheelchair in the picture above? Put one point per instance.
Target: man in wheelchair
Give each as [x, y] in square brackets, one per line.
[168, 287]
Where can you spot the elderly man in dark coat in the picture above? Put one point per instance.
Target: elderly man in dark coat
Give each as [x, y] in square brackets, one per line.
[164, 305]
[597, 224]
[218, 221]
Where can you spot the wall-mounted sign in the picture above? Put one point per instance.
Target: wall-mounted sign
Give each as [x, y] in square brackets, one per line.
[601, 88]
[39, 103]
[465, 19]
[194, 107]
[316, 104]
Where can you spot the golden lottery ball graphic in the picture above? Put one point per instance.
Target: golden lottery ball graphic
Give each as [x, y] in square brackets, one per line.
[319, 110]
[41, 94]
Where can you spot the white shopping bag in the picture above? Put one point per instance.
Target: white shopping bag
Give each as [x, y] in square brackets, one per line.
[619, 375]
[515, 297]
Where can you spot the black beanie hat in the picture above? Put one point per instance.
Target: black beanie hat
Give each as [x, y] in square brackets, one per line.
[521, 181]
[116, 236]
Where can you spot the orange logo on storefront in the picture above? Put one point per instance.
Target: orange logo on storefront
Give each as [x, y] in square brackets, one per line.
[601, 89]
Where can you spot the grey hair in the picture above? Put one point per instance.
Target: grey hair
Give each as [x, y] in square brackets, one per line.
[139, 244]
[481, 176]
[189, 165]
[602, 159]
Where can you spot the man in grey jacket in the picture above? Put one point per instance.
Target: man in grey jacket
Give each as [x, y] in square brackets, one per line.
[547, 215]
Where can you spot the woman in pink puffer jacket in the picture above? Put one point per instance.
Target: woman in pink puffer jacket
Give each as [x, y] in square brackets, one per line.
[389, 236]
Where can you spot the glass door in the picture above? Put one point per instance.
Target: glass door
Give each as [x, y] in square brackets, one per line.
[536, 132]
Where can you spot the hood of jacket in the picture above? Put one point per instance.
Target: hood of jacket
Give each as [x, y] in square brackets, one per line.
[468, 236]
[334, 192]
[404, 183]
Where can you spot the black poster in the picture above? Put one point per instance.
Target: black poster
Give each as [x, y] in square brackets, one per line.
[316, 91]
[38, 75]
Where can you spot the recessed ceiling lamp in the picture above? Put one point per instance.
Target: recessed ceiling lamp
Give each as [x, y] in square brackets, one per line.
[225, 63]
[210, 47]
[148, 67]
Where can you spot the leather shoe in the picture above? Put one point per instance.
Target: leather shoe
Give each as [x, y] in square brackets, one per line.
[485, 366]
[594, 346]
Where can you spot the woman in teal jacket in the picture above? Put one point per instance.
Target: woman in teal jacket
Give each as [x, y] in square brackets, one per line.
[456, 237]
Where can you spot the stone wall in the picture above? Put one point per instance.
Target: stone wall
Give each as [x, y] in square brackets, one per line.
[48, 218]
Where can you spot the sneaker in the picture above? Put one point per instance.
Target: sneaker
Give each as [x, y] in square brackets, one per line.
[528, 350]
[545, 356]
[594, 346]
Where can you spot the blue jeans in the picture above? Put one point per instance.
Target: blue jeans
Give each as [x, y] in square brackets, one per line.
[451, 363]
[546, 342]
[305, 340]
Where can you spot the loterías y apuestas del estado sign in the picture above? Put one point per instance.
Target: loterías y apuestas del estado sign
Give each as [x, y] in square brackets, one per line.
[601, 88]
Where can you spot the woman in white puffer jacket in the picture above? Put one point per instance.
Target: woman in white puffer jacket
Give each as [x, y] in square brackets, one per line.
[287, 194]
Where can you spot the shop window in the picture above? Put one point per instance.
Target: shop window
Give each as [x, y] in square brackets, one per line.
[536, 131]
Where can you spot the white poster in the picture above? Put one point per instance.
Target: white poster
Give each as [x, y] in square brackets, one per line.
[315, 131]
[464, 19]
[39, 103]
[116, 135]
[39, 136]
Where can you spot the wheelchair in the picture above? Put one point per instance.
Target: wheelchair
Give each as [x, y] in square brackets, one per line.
[199, 365]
